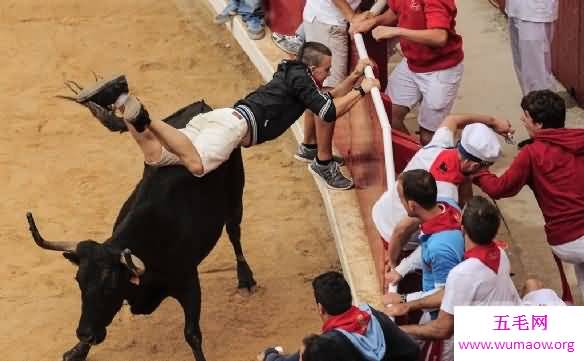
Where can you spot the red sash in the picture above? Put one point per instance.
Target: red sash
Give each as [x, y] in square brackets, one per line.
[489, 255]
[449, 219]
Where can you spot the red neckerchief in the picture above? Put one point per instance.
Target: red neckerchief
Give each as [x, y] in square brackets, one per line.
[446, 167]
[448, 220]
[353, 320]
[489, 255]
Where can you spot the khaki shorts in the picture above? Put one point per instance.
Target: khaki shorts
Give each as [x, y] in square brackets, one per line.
[435, 91]
[214, 134]
[336, 39]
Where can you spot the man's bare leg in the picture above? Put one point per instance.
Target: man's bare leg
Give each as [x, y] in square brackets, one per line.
[309, 128]
[158, 134]
[324, 139]
[398, 114]
[179, 144]
[532, 284]
[425, 136]
[148, 143]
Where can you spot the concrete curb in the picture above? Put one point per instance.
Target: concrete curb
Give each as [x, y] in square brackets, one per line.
[341, 206]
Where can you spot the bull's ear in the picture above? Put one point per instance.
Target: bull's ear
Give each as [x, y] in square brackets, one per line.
[72, 257]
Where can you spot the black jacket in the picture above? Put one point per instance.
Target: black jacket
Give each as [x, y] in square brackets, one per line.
[399, 345]
[275, 106]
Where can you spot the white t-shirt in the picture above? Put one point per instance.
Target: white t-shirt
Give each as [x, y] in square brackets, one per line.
[472, 283]
[388, 210]
[325, 11]
[538, 11]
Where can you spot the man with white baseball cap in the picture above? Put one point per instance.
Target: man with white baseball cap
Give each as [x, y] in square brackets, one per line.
[450, 164]
[479, 144]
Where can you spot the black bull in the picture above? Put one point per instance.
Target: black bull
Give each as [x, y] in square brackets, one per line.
[168, 225]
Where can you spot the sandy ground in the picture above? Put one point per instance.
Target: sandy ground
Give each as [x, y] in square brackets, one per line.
[74, 175]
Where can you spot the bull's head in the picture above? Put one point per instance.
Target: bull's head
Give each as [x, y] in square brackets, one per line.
[104, 277]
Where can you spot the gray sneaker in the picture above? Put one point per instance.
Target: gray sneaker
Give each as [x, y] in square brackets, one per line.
[331, 174]
[305, 154]
[289, 43]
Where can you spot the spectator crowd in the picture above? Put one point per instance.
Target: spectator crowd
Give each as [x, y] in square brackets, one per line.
[430, 222]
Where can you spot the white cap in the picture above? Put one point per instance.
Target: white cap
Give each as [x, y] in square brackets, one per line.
[481, 142]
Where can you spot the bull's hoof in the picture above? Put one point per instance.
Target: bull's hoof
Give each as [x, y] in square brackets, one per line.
[246, 283]
[77, 353]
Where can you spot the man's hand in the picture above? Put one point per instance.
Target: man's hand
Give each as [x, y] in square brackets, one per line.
[398, 309]
[361, 65]
[367, 84]
[357, 18]
[362, 26]
[386, 32]
[502, 127]
[392, 277]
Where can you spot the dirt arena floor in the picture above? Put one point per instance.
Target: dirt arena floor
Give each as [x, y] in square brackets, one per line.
[56, 161]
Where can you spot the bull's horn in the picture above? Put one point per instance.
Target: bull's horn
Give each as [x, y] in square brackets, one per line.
[41, 242]
[134, 264]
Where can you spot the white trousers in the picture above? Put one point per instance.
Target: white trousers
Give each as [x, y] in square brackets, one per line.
[573, 252]
[531, 50]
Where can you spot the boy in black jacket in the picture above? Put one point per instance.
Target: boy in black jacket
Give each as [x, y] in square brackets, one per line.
[209, 138]
[350, 333]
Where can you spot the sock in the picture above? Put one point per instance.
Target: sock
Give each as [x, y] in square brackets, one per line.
[309, 146]
[323, 162]
[121, 100]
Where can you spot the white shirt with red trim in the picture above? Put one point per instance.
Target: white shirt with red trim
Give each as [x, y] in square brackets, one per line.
[472, 283]
[436, 158]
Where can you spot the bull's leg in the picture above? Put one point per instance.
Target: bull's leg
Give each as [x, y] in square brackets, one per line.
[246, 282]
[77, 353]
[190, 300]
